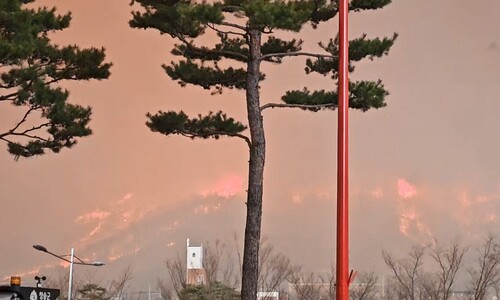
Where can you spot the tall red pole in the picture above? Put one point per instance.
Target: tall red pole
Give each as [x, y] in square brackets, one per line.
[342, 286]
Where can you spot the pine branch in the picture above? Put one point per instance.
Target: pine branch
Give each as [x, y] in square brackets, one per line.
[212, 125]
[313, 107]
[285, 54]
[216, 135]
[9, 97]
[25, 134]
[212, 26]
[2, 137]
[188, 72]
[34, 128]
[29, 66]
[181, 38]
[32, 108]
[244, 28]
[202, 51]
[231, 8]
[269, 30]
[35, 137]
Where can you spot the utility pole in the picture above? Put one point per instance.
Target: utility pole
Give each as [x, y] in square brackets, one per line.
[342, 290]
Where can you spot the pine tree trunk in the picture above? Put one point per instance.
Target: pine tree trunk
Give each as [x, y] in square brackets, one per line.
[256, 172]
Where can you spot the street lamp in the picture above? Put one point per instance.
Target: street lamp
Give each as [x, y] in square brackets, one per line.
[71, 262]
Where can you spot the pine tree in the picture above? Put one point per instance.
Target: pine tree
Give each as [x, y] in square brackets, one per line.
[30, 69]
[247, 33]
[213, 291]
[92, 291]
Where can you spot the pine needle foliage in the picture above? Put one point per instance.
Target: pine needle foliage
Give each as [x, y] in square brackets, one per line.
[247, 34]
[212, 125]
[214, 291]
[30, 69]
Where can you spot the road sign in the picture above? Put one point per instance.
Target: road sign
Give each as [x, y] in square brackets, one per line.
[29, 293]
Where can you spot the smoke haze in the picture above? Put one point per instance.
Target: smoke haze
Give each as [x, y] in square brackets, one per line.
[425, 167]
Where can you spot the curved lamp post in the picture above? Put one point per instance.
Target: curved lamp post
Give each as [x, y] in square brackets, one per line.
[71, 262]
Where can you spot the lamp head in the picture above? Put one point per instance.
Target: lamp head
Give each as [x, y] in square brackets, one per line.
[40, 248]
[98, 263]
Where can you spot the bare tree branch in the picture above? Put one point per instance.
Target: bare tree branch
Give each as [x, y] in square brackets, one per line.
[406, 271]
[238, 253]
[307, 286]
[116, 287]
[212, 257]
[365, 287]
[177, 273]
[449, 261]
[486, 274]
[219, 264]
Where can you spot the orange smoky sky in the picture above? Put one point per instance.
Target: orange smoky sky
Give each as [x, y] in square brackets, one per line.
[425, 167]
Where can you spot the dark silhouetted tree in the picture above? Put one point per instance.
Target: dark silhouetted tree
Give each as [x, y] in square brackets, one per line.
[247, 33]
[30, 69]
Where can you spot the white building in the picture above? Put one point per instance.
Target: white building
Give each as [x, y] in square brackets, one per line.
[195, 274]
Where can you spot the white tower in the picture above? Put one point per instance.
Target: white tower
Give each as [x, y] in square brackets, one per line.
[196, 274]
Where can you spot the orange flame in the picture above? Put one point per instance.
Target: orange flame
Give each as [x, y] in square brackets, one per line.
[405, 189]
[226, 187]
